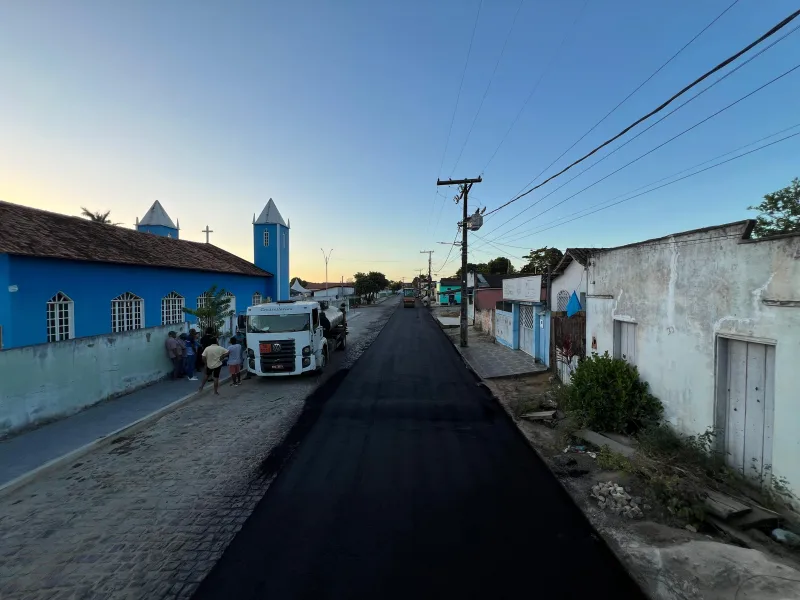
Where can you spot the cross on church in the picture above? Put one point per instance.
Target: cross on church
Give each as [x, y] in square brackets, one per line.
[207, 231]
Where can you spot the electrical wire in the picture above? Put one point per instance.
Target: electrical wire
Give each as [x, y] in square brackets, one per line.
[783, 139]
[626, 98]
[661, 107]
[488, 85]
[550, 64]
[458, 99]
[784, 74]
[646, 129]
[446, 260]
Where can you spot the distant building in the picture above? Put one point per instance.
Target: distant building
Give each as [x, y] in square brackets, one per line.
[63, 277]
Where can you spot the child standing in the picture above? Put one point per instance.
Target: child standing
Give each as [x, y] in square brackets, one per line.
[235, 361]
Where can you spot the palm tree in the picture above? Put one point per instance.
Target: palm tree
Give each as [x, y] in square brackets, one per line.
[97, 217]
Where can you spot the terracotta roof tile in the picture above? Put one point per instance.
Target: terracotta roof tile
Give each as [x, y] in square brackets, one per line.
[27, 231]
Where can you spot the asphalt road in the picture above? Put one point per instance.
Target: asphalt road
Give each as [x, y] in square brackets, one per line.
[411, 482]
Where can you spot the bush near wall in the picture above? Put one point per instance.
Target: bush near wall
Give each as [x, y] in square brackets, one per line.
[606, 394]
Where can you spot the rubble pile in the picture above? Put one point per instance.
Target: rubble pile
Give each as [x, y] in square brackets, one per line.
[614, 497]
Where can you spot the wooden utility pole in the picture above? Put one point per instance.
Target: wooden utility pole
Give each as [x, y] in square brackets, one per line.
[466, 186]
[429, 253]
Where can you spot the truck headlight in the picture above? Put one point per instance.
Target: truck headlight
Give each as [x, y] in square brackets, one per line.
[307, 351]
[307, 361]
[250, 353]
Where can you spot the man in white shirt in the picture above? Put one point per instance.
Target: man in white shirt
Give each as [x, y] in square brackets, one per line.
[212, 356]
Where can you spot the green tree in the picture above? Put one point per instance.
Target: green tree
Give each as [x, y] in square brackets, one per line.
[780, 212]
[395, 285]
[369, 284]
[215, 309]
[97, 217]
[540, 260]
[500, 266]
[473, 268]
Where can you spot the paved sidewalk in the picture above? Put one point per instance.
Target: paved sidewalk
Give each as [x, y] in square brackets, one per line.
[32, 449]
[490, 359]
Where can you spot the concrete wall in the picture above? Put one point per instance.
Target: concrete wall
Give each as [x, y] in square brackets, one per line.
[484, 320]
[487, 299]
[504, 328]
[684, 293]
[92, 286]
[573, 279]
[48, 381]
[332, 292]
[5, 302]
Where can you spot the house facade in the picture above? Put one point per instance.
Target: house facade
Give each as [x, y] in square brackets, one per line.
[330, 291]
[711, 318]
[522, 319]
[64, 277]
[484, 292]
[448, 291]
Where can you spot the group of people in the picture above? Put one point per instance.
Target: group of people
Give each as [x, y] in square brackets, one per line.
[188, 354]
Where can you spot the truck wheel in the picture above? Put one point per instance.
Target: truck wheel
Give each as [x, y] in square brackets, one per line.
[324, 360]
[343, 344]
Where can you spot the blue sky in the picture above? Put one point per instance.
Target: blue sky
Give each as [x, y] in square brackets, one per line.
[340, 112]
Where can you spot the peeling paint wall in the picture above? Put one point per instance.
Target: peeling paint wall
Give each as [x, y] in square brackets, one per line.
[49, 381]
[484, 320]
[573, 279]
[686, 291]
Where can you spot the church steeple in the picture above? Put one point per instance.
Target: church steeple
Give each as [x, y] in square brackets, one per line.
[271, 248]
[157, 221]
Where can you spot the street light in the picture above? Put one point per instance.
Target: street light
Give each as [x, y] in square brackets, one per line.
[327, 258]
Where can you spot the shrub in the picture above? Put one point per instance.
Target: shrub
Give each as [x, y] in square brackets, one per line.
[606, 394]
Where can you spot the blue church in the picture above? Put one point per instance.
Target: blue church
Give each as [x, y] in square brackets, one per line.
[64, 277]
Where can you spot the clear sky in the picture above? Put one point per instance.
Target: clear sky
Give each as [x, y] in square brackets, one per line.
[340, 112]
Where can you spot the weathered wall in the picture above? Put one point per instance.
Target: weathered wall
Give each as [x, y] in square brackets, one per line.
[504, 328]
[487, 299]
[686, 291]
[5, 302]
[573, 279]
[48, 381]
[484, 320]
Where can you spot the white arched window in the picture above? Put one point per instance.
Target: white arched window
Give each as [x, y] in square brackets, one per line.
[257, 299]
[563, 300]
[60, 319]
[172, 309]
[127, 312]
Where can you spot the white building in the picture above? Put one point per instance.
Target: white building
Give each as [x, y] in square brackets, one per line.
[333, 291]
[570, 276]
[711, 318]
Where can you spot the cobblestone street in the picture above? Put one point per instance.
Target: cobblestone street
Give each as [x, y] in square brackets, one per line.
[148, 515]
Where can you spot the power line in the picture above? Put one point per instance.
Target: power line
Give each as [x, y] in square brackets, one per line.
[446, 260]
[640, 86]
[661, 107]
[783, 139]
[550, 64]
[458, 99]
[649, 127]
[784, 74]
[488, 85]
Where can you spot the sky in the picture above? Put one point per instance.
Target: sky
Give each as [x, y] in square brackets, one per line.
[346, 113]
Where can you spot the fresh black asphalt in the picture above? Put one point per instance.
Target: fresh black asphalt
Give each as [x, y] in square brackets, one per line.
[411, 482]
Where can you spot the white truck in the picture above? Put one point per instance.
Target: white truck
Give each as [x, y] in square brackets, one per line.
[292, 337]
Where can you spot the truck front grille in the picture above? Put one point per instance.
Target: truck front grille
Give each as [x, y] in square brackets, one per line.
[281, 359]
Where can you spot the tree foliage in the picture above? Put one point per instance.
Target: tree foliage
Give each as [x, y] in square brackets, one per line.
[216, 308]
[540, 260]
[500, 266]
[97, 217]
[369, 284]
[780, 211]
[395, 285]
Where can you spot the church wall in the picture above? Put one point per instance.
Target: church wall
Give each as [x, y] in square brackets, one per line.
[5, 301]
[275, 257]
[92, 286]
[161, 230]
[64, 377]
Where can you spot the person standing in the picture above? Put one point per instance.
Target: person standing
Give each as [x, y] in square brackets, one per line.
[175, 353]
[189, 356]
[212, 355]
[235, 361]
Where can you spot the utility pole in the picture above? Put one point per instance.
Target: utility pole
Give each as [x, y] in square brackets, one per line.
[466, 186]
[327, 258]
[429, 253]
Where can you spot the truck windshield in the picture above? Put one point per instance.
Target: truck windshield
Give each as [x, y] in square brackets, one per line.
[408, 293]
[277, 323]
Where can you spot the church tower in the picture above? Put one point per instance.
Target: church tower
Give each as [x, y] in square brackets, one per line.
[271, 248]
[157, 221]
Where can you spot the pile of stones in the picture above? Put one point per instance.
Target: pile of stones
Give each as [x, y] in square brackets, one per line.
[611, 496]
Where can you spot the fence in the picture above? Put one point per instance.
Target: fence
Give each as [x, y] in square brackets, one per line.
[567, 343]
[49, 381]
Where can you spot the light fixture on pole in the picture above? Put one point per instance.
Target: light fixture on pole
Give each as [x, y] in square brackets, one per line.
[327, 258]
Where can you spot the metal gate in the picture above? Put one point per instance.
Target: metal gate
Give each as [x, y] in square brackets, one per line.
[567, 343]
[526, 329]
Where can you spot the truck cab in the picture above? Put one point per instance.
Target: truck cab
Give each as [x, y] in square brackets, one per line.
[287, 338]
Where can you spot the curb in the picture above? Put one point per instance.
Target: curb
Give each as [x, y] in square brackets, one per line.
[129, 429]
